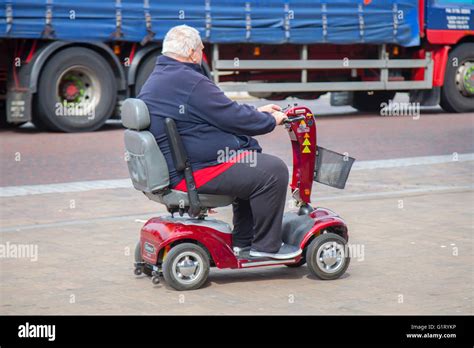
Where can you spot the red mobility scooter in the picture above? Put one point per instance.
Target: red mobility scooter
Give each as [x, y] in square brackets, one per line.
[183, 249]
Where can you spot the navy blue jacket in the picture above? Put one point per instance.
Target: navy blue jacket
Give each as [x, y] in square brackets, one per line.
[206, 119]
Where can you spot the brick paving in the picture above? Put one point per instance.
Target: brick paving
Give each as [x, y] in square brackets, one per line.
[417, 259]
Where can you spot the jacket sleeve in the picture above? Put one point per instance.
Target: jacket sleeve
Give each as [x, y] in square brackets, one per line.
[209, 103]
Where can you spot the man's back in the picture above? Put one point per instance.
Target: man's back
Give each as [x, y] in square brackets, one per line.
[207, 120]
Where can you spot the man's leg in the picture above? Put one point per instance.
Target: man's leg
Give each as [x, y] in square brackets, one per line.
[243, 233]
[264, 186]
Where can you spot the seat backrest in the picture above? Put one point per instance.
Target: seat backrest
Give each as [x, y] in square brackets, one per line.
[146, 164]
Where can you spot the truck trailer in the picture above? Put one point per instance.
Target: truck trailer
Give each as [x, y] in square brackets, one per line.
[67, 66]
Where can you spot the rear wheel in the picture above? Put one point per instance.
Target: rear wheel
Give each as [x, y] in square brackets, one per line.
[77, 91]
[186, 267]
[145, 69]
[371, 101]
[457, 93]
[327, 256]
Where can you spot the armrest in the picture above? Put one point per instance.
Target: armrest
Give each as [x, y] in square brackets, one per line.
[181, 162]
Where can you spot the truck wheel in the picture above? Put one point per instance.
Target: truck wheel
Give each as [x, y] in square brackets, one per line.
[144, 70]
[327, 256]
[186, 267]
[371, 101]
[138, 258]
[77, 91]
[457, 93]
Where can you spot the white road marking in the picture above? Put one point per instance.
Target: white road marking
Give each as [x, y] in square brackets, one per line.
[81, 186]
[142, 218]
[412, 161]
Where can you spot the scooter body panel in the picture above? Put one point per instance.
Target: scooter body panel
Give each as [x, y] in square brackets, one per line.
[160, 233]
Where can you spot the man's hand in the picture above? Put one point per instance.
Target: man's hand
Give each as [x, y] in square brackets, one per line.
[279, 117]
[275, 110]
[269, 108]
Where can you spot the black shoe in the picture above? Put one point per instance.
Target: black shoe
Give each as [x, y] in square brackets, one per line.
[286, 252]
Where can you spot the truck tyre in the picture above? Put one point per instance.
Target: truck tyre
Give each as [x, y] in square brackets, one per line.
[144, 70]
[457, 93]
[371, 101]
[77, 91]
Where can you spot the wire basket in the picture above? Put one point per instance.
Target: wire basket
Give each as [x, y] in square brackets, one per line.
[332, 168]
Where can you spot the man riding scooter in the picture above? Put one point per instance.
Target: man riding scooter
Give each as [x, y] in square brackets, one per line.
[209, 124]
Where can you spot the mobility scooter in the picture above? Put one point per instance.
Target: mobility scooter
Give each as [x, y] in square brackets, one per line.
[183, 249]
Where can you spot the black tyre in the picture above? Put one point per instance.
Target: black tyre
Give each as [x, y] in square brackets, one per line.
[144, 70]
[457, 93]
[371, 101]
[327, 256]
[186, 267]
[77, 91]
[138, 258]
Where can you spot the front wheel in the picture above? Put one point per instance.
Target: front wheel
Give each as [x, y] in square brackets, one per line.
[457, 93]
[186, 267]
[327, 256]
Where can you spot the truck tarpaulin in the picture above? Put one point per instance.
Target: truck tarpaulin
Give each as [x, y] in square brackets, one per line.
[219, 21]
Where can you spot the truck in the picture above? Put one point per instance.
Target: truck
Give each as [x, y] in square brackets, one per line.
[67, 66]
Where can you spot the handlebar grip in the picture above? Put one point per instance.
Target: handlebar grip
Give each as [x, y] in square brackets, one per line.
[294, 119]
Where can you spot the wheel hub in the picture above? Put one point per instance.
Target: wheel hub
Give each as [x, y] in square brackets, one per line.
[330, 257]
[70, 91]
[187, 267]
[465, 79]
[78, 84]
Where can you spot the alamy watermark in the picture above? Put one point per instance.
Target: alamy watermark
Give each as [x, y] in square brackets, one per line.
[237, 156]
[37, 331]
[75, 109]
[19, 251]
[400, 109]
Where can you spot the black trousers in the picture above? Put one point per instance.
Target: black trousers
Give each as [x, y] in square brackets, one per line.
[260, 189]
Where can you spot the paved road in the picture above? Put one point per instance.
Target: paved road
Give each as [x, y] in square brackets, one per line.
[57, 157]
[412, 219]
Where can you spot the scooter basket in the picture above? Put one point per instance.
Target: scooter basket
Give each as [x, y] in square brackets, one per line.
[332, 168]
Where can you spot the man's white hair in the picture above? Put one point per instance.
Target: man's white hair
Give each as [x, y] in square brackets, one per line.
[180, 40]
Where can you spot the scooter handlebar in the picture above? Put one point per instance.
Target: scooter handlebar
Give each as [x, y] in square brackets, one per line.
[293, 119]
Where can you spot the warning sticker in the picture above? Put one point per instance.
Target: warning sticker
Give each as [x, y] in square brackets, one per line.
[306, 150]
[306, 141]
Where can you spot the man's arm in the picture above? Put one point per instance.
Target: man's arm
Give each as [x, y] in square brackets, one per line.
[210, 104]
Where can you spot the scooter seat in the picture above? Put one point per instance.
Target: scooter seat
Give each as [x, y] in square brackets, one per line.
[176, 199]
[147, 165]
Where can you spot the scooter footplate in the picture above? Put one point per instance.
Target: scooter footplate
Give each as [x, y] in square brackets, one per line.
[245, 260]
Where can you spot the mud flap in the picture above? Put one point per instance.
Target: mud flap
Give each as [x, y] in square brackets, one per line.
[426, 97]
[18, 106]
